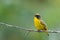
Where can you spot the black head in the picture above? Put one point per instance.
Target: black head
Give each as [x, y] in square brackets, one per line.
[38, 16]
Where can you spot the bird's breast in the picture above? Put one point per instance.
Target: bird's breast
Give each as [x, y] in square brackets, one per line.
[38, 24]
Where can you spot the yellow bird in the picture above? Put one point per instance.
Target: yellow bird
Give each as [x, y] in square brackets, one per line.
[39, 24]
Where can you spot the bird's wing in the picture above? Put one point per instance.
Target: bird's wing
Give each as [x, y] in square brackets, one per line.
[45, 28]
[44, 24]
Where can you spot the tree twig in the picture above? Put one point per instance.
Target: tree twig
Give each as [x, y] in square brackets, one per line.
[31, 30]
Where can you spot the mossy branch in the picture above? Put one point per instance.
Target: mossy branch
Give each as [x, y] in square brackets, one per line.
[31, 30]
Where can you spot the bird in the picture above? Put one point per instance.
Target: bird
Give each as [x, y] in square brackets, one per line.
[40, 24]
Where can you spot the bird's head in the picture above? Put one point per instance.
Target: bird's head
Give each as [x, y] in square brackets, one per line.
[37, 15]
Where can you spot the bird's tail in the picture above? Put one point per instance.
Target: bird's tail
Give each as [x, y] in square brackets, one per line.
[47, 33]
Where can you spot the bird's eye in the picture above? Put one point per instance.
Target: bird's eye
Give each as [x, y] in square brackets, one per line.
[38, 16]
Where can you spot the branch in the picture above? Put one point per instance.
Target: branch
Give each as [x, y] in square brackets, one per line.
[31, 30]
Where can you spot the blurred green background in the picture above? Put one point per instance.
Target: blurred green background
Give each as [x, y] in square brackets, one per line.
[21, 13]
